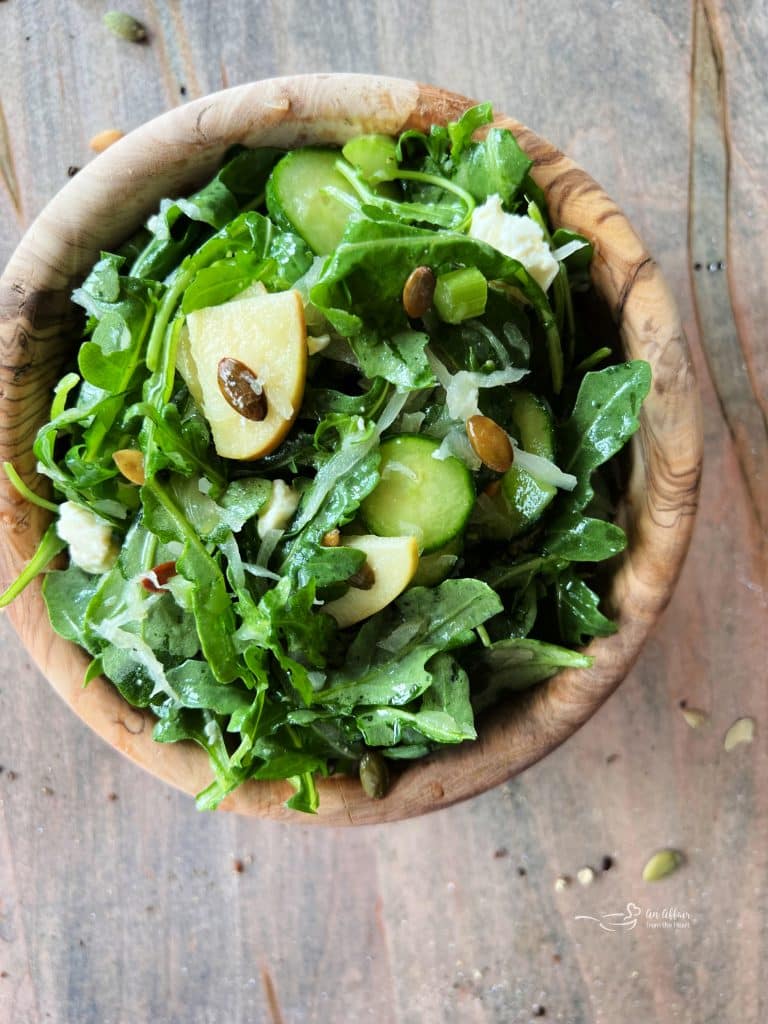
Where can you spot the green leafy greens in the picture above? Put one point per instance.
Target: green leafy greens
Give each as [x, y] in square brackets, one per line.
[223, 619]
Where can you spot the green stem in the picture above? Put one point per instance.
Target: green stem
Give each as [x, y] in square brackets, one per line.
[368, 195]
[50, 545]
[508, 576]
[448, 186]
[164, 313]
[26, 493]
[593, 359]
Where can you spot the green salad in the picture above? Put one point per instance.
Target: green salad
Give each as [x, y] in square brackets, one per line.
[325, 465]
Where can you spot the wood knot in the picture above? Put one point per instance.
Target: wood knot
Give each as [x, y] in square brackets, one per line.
[132, 721]
[435, 791]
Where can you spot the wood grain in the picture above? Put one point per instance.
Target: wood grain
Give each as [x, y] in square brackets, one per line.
[129, 909]
[180, 149]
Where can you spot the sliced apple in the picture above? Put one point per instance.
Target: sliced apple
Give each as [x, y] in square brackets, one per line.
[393, 562]
[184, 362]
[266, 334]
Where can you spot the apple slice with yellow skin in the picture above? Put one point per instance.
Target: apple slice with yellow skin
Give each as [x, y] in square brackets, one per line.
[184, 362]
[268, 335]
[393, 561]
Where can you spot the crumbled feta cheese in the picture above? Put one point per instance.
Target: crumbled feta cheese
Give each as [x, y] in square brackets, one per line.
[283, 502]
[521, 238]
[91, 544]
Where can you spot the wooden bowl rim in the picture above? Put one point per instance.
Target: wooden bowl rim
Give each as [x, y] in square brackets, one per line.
[184, 145]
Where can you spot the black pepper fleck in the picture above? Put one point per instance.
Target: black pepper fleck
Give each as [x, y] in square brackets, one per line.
[521, 872]
[501, 852]
[606, 863]
[72, 170]
[238, 866]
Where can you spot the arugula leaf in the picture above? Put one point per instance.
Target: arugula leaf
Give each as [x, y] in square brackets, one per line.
[180, 224]
[437, 619]
[401, 359]
[211, 604]
[284, 623]
[495, 166]
[460, 132]
[392, 681]
[604, 418]
[177, 723]
[445, 715]
[327, 566]
[197, 687]
[578, 614]
[515, 665]
[67, 594]
[444, 615]
[576, 538]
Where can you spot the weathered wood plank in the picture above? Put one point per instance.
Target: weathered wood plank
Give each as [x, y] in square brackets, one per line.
[422, 922]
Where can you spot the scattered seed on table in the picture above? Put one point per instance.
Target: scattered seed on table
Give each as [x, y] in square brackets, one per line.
[695, 717]
[661, 864]
[125, 26]
[586, 876]
[103, 140]
[742, 731]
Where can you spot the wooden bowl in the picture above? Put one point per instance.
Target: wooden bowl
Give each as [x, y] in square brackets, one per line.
[172, 155]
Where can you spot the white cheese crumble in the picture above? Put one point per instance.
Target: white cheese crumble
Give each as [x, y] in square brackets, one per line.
[283, 502]
[91, 544]
[520, 238]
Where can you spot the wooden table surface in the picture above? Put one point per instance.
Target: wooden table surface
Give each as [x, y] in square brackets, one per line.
[119, 902]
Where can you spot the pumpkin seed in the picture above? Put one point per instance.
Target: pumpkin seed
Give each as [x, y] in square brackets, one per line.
[332, 539]
[130, 462]
[242, 389]
[662, 864]
[374, 774]
[418, 292]
[490, 443]
[695, 717]
[742, 731]
[364, 578]
[103, 140]
[125, 26]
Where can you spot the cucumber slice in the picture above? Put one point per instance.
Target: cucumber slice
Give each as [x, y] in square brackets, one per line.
[296, 200]
[375, 156]
[526, 497]
[418, 495]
